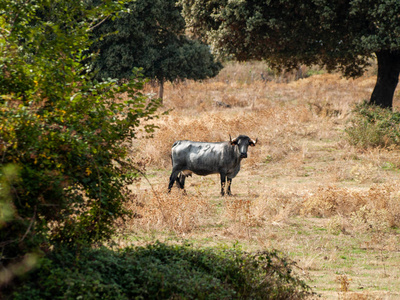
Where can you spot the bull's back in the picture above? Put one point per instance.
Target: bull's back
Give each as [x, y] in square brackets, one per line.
[201, 158]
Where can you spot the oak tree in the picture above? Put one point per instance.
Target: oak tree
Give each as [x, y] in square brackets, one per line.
[343, 35]
[150, 34]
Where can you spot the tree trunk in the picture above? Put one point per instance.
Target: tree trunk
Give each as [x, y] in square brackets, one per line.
[161, 90]
[388, 77]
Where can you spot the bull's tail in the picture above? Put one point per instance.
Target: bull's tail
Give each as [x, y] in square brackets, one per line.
[176, 143]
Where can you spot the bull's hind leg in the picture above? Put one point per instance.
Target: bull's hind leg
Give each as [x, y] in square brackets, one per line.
[173, 178]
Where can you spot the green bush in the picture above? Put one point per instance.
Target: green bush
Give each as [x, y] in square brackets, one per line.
[64, 135]
[162, 271]
[373, 126]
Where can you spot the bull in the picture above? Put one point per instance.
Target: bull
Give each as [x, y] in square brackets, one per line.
[204, 159]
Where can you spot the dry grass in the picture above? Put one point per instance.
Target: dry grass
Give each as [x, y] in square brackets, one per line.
[304, 189]
[155, 210]
[330, 201]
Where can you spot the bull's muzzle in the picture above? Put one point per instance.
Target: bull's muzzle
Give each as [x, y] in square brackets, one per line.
[243, 155]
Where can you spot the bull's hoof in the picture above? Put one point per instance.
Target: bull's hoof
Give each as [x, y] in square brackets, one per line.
[228, 194]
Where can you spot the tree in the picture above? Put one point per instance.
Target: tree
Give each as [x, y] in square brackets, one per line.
[151, 35]
[63, 137]
[342, 35]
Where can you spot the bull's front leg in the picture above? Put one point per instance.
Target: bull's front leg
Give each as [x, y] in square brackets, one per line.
[223, 182]
[228, 189]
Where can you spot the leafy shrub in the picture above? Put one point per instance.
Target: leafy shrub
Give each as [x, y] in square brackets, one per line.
[161, 271]
[373, 126]
[64, 134]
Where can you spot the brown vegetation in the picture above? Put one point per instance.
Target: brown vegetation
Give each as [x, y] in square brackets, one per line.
[304, 189]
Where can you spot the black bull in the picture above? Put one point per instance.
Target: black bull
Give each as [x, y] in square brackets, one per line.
[208, 158]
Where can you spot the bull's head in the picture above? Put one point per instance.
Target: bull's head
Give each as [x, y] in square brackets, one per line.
[243, 143]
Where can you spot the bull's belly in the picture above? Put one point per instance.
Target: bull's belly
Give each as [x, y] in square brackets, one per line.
[204, 172]
[203, 166]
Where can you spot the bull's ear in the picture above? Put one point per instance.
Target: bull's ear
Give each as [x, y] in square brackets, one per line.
[253, 142]
[234, 142]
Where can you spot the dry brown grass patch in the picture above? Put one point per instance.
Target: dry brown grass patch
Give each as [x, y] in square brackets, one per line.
[375, 209]
[331, 200]
[271, 207]
[243, 212]
[279, 114]
[175, 211]
[277, 203]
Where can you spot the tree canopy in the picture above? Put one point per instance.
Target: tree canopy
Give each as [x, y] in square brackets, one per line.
[151, 34]
[343, 35]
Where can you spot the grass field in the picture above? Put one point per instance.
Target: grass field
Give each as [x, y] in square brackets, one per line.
[304, 189]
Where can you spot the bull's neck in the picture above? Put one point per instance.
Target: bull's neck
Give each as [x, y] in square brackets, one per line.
[236, 153]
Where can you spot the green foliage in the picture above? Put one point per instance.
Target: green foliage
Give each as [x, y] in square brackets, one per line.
[372, 126]
[161, 271]
[344, 35]
[8, 174]
[340, 34]
[64, 136]
[151, 35]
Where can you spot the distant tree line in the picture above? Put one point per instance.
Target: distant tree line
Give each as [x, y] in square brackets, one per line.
[342, 35]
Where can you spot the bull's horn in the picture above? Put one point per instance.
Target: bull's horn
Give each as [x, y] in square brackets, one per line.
[230, 138]
[234, 141]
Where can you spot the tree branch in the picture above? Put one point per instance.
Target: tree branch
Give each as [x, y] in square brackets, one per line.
[98, 24]
[30, 225]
